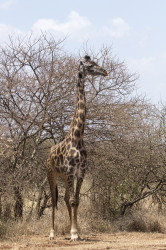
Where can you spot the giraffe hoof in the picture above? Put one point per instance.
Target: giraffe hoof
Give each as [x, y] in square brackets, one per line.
[74, 237]
[51, 236]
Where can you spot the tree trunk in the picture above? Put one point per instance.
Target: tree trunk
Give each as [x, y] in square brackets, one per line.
[18, 207]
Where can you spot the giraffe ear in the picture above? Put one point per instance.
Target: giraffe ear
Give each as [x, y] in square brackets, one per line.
[87, 58]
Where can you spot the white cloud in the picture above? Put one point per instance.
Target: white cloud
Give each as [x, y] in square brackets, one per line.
[76, 27]
[75, 24]
[6, 31]
[5, 5]
[117, 29]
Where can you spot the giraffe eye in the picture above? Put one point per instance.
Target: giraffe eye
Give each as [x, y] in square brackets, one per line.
[90, 67]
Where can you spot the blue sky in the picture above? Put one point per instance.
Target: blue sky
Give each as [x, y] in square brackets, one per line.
[135, 29]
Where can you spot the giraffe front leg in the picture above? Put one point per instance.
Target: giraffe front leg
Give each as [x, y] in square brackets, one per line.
[77, 194]
[73, 210]
[74, 230]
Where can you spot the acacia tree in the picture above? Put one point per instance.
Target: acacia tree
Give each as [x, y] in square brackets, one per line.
[32, 90]
[37, 100]
[131, 162]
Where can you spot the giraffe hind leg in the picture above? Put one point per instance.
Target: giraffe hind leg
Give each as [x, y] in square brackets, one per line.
[54, 198]
[66, 198]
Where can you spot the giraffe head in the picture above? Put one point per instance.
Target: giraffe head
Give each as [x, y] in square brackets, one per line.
[89, 67]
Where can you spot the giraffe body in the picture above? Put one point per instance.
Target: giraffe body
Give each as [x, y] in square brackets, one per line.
[68, 159]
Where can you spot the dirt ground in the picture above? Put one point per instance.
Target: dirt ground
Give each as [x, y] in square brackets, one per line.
[125, 241]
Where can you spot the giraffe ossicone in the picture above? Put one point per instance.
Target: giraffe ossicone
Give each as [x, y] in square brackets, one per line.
[67, 159]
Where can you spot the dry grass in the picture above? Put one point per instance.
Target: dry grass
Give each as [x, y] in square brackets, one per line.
[143, 221]
[140, 220]
[86, 222]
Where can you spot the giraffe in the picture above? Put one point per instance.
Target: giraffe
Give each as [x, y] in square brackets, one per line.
[67, 159]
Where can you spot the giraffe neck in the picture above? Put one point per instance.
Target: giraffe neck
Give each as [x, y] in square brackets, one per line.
[78, 122]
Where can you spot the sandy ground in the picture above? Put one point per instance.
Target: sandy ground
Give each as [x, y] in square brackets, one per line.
[125, 241]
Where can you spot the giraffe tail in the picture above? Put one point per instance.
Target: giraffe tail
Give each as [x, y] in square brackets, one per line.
[56, 194]
[53, 189]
